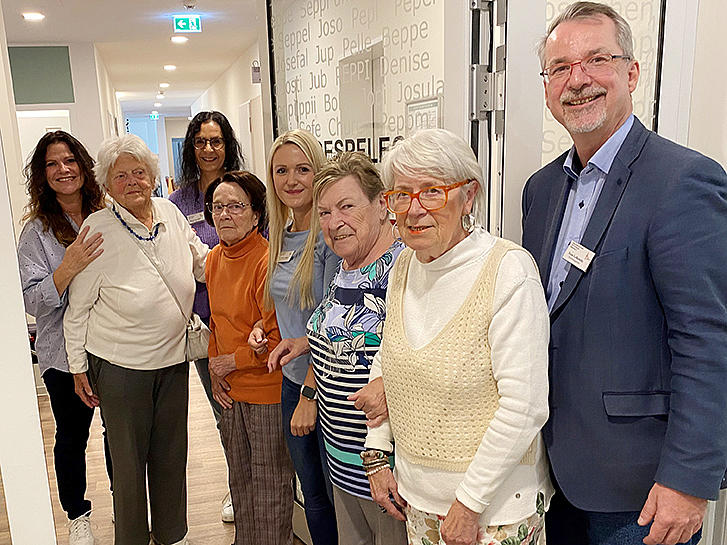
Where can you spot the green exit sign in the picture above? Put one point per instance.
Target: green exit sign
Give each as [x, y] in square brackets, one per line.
[187, 23]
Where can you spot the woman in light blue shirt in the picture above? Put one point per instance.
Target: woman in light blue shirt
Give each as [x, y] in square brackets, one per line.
[62, 190]
[296, 289]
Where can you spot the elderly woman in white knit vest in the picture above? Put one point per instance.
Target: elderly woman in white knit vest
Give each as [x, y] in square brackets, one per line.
[463, 358]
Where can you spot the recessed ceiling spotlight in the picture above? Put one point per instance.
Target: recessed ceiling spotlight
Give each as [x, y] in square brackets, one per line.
[33, 16]
[160, 96]
[157, 104]
[170, 67]
[180, 39]
[154, 112]
[163, 85]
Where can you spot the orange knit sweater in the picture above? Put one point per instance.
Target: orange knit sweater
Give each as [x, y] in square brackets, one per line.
[235, 281]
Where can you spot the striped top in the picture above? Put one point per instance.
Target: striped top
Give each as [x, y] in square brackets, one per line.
[344, 334]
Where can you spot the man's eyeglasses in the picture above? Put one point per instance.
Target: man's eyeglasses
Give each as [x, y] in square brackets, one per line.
[431, 198]
[594, 66]
[215, 143]
[233, 208]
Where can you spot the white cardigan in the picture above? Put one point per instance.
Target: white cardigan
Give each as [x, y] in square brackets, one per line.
[495, 484]
[118, 307]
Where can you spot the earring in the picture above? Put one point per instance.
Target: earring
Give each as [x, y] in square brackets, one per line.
[468, 222]
[395, 231]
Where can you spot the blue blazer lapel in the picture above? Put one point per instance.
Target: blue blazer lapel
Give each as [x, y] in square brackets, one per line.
[616, 182]
[556, 206]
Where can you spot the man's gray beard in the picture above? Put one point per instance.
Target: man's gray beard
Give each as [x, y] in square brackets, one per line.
[575, 125]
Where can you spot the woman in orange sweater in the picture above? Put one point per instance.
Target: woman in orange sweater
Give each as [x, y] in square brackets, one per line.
[251, 425]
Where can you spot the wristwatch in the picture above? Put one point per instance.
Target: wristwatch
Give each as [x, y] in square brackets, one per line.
[308, 392]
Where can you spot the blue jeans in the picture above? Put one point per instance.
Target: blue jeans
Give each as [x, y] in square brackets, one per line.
[565, 524]
[309, 460]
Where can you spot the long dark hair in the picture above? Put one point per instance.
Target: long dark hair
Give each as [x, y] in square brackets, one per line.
[43, 204]
[233, 151]
[251, 185]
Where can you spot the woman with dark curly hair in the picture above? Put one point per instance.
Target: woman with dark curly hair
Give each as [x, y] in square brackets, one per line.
[209, 150]
[63, 191]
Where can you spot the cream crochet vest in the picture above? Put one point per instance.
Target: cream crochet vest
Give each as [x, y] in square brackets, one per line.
[442, 397]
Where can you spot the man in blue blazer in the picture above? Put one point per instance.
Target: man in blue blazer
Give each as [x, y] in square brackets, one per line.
[630, 234]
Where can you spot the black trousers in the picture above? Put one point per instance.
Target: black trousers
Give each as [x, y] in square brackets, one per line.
[73, 422]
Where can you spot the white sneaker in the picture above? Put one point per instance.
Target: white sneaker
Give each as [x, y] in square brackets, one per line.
[228, 515]
[80, 532]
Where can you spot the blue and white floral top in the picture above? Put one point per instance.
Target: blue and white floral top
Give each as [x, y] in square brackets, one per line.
[344, 334]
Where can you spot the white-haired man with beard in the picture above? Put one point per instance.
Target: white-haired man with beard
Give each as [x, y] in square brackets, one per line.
[630, 234]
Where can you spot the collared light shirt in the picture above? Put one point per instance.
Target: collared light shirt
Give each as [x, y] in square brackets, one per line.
[119, 308]
[586, 187]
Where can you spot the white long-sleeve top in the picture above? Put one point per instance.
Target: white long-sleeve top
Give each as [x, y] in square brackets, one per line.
[495, 484]
[118, 307]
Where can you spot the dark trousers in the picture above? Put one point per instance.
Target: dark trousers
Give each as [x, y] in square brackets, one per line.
[203, 371]
[309, 460]
[565, 524]
[73, 422]
[146, 423]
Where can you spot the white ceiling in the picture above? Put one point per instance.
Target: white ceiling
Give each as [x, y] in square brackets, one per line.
[133, 39]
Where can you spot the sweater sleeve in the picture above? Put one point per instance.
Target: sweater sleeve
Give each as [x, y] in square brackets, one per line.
[380, 437]
[518, 334]
[82, 294]
[245, 357]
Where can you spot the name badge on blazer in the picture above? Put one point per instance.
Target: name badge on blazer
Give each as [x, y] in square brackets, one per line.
[578, 255]
[284, 257]
[195, 218]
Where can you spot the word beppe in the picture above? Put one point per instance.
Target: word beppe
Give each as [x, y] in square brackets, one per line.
[375, 153]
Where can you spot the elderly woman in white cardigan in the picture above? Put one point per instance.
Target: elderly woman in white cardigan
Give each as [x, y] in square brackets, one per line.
[463, 358]
[125, 339]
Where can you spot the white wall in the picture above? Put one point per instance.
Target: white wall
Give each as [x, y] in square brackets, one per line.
[22, 460]
[32, 125]
[708, 112]
[112, 120]
[233, 88]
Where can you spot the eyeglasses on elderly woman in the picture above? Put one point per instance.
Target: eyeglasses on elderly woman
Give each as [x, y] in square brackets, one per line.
[431, 198]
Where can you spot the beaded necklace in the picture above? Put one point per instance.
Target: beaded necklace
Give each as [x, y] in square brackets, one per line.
[151, 237]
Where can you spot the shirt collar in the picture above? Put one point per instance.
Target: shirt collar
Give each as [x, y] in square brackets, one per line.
[603, 158]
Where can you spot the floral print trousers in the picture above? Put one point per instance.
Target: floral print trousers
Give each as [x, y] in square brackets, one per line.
[423, 529]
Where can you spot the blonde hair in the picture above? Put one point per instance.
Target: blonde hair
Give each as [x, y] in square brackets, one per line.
[279, 216]
[348, 163]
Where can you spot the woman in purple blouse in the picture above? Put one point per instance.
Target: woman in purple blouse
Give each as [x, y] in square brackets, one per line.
[210, 149]
[62, 192]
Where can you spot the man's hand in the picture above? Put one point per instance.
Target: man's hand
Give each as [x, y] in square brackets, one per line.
[371, 399]
[460, 526]
[286, 351]
[676, 516]
[84, 391]
[222, 365]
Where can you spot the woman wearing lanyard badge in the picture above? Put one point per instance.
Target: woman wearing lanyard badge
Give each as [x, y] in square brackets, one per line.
[210, 149]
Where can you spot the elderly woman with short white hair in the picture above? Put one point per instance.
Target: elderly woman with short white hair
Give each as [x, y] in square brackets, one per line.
[125, 338]
[464, 359]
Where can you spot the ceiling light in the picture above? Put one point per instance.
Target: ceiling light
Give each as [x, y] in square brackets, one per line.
[157, 104]
[33, 16]
[163, 85]
[170, 67]
[154, 112]
[160, 96]
[180, 39]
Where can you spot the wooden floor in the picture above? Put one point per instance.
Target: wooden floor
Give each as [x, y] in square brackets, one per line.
[206, 478]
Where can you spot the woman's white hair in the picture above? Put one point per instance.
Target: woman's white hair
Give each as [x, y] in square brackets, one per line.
[440, 154]
[113, 147]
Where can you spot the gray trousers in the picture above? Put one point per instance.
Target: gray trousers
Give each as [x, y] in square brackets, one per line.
[361, 522]
[146, 424]
[261, 474]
